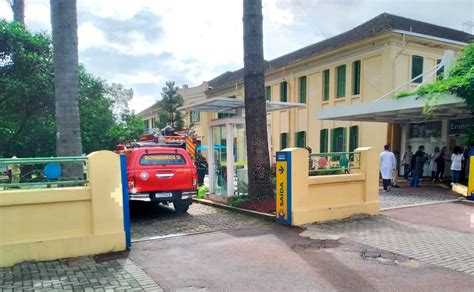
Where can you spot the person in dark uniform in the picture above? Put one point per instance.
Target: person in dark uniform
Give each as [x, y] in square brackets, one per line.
[201, 166]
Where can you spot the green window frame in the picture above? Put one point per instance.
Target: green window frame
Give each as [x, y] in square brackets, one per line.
[338, 139]
[224, 115]
[416, 68]
[323, 140]
[356, 77]
[284, 91]
[341, 81]
[195, 117]
[353, 138]
[326, 76]
[283, 141]
[268, 93]
[440, 72]
[303, 89]
[300, 139]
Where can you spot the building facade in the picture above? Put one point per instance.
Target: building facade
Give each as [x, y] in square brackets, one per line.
[372, 61]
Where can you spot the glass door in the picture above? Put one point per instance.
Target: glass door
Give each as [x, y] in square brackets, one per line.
[219, 160]
[240, 160]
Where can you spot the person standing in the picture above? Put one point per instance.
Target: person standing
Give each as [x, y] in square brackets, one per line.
[15, 172]
[456, 164]
[396, 170]
[433, 165]
[440, 164]
[419, 161]
[387, 165]
[407, 157]
[201, 167]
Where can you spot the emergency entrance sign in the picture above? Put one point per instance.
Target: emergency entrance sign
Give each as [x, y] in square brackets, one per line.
[283, 188]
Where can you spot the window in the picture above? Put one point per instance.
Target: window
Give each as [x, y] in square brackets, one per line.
[416, 68]
[302, 83]
[154, 123]
[145, 124]
[195, 117]
[326, 84]
[353, 138]
[341, 81]
[338, 140]
[440, 72]
[268, 93]
[284, 91]
[283, 141]
[301, 139]
[356, 77]
[323, 140]
[224, 115]
[162, 159]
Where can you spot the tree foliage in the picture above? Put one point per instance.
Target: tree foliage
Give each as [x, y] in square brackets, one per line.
[170, 101]
[26, 91]
[460, 81]
[27, 109]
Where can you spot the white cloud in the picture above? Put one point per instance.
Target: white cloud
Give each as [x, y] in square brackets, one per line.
[191, 41]
[90, 36]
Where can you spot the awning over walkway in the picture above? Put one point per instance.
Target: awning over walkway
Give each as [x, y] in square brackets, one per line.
[403, 110]
[231, 105]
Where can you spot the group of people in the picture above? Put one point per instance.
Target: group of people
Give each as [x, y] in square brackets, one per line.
[413, 164]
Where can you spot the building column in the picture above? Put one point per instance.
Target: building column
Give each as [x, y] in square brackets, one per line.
[404, 128]
[444, 132]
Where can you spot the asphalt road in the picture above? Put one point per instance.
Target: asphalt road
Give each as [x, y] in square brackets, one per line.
[273, 258]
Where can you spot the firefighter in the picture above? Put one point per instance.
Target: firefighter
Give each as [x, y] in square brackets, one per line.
[201, 166]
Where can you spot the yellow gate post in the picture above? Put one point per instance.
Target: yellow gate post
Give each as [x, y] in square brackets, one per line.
[470, 183]
[291, 178]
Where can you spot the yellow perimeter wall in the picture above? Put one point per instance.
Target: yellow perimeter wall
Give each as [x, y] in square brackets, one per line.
[47, 224]
[333, 197]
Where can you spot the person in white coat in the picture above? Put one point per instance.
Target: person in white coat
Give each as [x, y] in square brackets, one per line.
[387, 164]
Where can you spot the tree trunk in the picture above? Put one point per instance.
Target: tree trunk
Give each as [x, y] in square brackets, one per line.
[255, 107]
[66, 80]
[18, 8]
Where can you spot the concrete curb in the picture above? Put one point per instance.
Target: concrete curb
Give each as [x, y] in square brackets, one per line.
[260, 215]
[421, 204]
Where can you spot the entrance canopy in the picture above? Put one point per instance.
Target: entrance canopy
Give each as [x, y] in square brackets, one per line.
[404, 110]
[231, 105]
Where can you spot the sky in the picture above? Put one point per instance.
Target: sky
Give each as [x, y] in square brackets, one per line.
[144, 43]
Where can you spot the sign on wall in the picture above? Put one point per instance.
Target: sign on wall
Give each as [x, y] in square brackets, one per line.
[460, 126]
[283, 187]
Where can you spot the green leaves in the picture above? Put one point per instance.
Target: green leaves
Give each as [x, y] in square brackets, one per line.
[460, 81]
[170, 101]
[27, 107]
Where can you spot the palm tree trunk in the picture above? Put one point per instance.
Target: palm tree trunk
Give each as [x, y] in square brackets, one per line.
[255, 107]
[66, 80]
[18, 8]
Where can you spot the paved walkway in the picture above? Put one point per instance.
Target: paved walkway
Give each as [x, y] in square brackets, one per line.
[437, 246]
[152, 222]
[406, 196]
[80, 274]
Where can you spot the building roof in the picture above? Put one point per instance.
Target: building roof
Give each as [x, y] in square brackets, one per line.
[149, 109]
[380, 24]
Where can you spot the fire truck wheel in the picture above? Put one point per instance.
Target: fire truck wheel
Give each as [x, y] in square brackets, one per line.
[181, 207]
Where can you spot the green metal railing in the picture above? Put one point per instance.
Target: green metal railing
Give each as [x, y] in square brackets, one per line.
[333, 163]
[34, 173]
